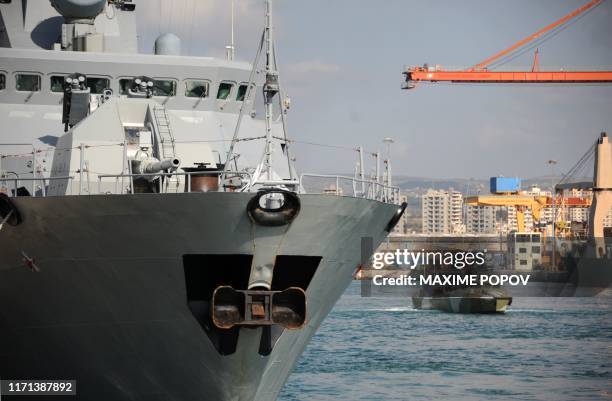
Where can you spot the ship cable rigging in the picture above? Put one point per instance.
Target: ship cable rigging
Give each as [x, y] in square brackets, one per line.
[247, 100]
[52, 149]
[245, 139]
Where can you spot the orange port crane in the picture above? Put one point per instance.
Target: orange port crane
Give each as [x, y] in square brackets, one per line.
[481, 74]
[522, 203]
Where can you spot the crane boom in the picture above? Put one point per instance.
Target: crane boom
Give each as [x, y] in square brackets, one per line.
[483, 65]
[480, 74]
[421, 74]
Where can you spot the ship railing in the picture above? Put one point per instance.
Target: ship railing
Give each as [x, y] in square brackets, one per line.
[163, 186]
[37, 191]
[340, 185]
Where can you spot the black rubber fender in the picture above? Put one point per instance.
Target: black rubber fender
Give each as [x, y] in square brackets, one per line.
[277, 216]
[396, 217]
[6, 206]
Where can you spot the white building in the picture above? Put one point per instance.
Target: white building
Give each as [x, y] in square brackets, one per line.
[512, 223]
[442, 212]
[481, 219]
[579, 214]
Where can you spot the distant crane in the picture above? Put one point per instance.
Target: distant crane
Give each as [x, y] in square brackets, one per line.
[480, 73]
[524, 203]
[601, 187]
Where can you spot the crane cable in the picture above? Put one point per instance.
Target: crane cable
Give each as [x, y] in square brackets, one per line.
[581, 166]
[545, 37]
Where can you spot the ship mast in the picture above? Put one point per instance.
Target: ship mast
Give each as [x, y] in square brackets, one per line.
[264, 174]
[231, 48]
[270, 90]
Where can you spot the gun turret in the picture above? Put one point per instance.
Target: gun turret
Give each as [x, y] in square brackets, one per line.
[154, 166]
[163, 165]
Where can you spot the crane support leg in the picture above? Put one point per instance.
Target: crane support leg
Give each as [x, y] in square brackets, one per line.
[602, 203]
[602, 193]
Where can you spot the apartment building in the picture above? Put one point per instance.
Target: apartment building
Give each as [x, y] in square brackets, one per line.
[481, 219]
[442, 212]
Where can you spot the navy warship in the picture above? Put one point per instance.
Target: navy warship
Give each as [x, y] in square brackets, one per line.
[157, 241]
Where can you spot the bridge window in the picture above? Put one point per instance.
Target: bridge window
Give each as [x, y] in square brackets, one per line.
[196, 88]
[225, 88]
[124, 85]
[57, 83]
[28, 82]
[98, 85]
[163, 87]
[242, 90]
[2, 81]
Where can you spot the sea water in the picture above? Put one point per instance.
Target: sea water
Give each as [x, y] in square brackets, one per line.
[383, 349]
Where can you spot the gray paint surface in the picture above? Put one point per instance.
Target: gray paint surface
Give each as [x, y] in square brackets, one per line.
[109, 308]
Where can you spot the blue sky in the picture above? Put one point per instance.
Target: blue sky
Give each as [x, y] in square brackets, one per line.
[341, 64]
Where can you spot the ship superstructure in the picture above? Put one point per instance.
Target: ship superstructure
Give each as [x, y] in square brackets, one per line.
[156, 239]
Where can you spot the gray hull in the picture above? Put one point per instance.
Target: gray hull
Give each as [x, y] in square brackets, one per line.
[109, 305]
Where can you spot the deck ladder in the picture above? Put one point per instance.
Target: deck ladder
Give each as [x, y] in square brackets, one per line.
[166, 146]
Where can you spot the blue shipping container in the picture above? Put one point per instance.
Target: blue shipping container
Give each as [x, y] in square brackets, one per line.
[500, 185]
